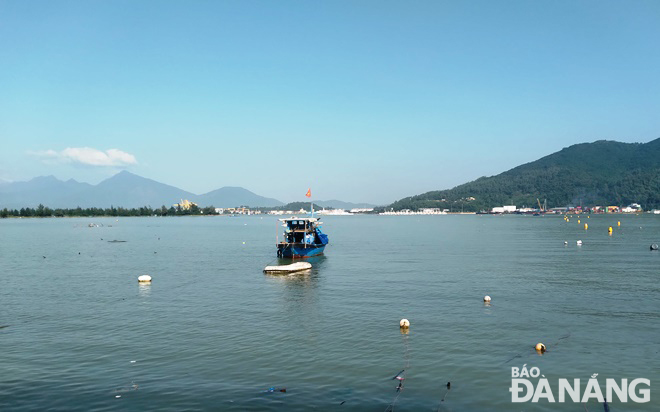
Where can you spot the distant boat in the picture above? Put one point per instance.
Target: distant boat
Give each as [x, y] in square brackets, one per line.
[303, 238]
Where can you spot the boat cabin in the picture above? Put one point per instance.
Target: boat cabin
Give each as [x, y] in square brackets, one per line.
[301, 230]
[302, 237]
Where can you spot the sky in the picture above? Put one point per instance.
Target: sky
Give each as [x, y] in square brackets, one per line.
[361, 101]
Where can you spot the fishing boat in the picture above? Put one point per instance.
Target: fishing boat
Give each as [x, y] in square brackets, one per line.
[303, 238]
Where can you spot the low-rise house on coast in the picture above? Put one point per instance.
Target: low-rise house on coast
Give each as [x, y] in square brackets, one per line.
[185, 204]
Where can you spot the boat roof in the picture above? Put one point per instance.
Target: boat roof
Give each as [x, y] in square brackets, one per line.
[309, 219]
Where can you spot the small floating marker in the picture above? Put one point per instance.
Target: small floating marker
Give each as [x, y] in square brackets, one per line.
[404, 324]
[243, 242]
[618, 223]
[579, 243]
[654, 246]
[540, 347]
[578, 221]
[565, 242]
[487, 299]
[144, 279]
[609, 230]
[117, 396]
[586, 226]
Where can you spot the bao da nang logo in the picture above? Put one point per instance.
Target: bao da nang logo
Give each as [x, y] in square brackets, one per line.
[529, 385]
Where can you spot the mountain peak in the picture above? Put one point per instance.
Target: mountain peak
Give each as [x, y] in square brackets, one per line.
[123, 189]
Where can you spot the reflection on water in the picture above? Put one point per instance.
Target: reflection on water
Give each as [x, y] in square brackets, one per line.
[144, 291]
[316, 261]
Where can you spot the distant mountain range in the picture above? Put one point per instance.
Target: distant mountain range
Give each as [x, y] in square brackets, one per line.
[127, 190]
[600, 173]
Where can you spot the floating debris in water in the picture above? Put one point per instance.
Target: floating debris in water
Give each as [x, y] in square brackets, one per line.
[448, 389]
[116, 241]
[398, 375]
[133, 387]
[274, 389]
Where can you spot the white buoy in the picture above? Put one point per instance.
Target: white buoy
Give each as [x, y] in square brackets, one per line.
[579, 243]
[404, 324]
[486, 298]
[566, 242]
[540, 347]
[144, 279]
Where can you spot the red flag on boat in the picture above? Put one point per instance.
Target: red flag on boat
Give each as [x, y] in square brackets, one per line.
[309, 192]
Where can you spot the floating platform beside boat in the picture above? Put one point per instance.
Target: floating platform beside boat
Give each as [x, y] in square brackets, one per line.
[294, 267]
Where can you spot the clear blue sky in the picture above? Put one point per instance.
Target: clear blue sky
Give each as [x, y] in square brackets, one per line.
[365, 101]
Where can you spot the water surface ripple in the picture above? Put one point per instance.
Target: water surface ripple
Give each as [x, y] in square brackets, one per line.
[214, 333]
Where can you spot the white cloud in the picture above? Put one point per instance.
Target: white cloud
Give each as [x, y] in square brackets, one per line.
[88, 156]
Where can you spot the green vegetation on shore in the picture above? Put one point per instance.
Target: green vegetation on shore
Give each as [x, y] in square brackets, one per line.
[589, 174]
[44, 211]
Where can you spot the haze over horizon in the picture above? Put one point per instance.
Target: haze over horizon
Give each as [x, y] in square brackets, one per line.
[363, 102]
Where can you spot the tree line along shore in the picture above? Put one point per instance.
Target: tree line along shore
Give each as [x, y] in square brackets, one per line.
[45, 211]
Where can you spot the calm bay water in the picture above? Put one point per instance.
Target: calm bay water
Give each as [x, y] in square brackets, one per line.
[213, 332]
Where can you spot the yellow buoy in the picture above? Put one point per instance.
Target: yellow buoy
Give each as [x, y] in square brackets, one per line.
[586, 226]
[540, 347]
[578, 221]
[404, 324]
[609, 230]
[618, 223]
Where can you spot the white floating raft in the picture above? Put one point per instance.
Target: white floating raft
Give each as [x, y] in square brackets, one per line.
[294, 267]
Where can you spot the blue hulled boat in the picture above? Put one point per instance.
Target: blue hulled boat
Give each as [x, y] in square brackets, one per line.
[303, 238]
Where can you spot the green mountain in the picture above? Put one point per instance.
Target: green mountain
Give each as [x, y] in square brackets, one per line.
[600, 173]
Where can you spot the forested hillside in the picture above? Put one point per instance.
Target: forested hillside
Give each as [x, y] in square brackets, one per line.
[599, 173]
